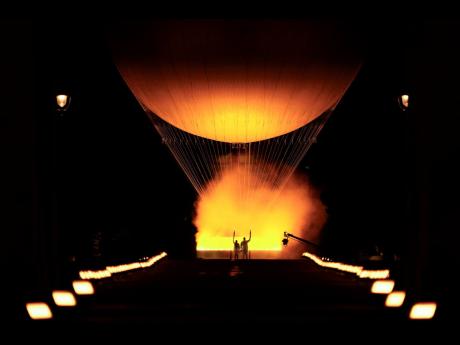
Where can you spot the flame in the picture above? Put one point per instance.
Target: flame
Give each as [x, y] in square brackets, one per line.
[244, 198]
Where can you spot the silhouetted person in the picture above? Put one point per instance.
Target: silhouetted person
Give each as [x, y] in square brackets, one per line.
[236, 247]
[244, 246]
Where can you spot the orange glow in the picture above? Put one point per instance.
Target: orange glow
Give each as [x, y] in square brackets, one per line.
[64, 299]
[375, 274]
[95, 274]
[39, 311]
[236, 81]
[240, 200]
[423, 311]
[358, 270]
[335, 265]
[395, 299]
[109, 270]
[240, 114]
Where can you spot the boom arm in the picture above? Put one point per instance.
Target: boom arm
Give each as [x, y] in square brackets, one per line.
[287, 235]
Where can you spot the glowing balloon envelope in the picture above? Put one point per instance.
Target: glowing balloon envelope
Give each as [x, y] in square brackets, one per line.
[236, 81]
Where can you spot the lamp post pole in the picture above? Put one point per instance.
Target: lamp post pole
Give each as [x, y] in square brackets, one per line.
[63, 102]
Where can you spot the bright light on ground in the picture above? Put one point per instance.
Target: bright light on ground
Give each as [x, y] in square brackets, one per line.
[39, 311]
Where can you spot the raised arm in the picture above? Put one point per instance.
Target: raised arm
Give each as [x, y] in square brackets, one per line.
[249, 235]
[233, 236]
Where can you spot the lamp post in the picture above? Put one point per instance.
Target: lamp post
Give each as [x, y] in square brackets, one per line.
[417, 204]
[403, 101]
[62, 103]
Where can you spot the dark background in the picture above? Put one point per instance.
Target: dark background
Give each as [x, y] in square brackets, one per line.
[388, 177]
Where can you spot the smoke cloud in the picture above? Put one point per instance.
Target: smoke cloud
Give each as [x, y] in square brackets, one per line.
[249, 198]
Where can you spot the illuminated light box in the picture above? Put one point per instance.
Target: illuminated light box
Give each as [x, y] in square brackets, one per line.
[39, 311]
[395, 299]
[83, 287]
[423, 311]
[382, 286]
[64, 298]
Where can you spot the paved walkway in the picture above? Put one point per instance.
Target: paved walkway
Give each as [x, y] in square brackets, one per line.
[238, 293]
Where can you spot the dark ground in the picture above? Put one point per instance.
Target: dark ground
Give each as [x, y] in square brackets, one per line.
[240, 293]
